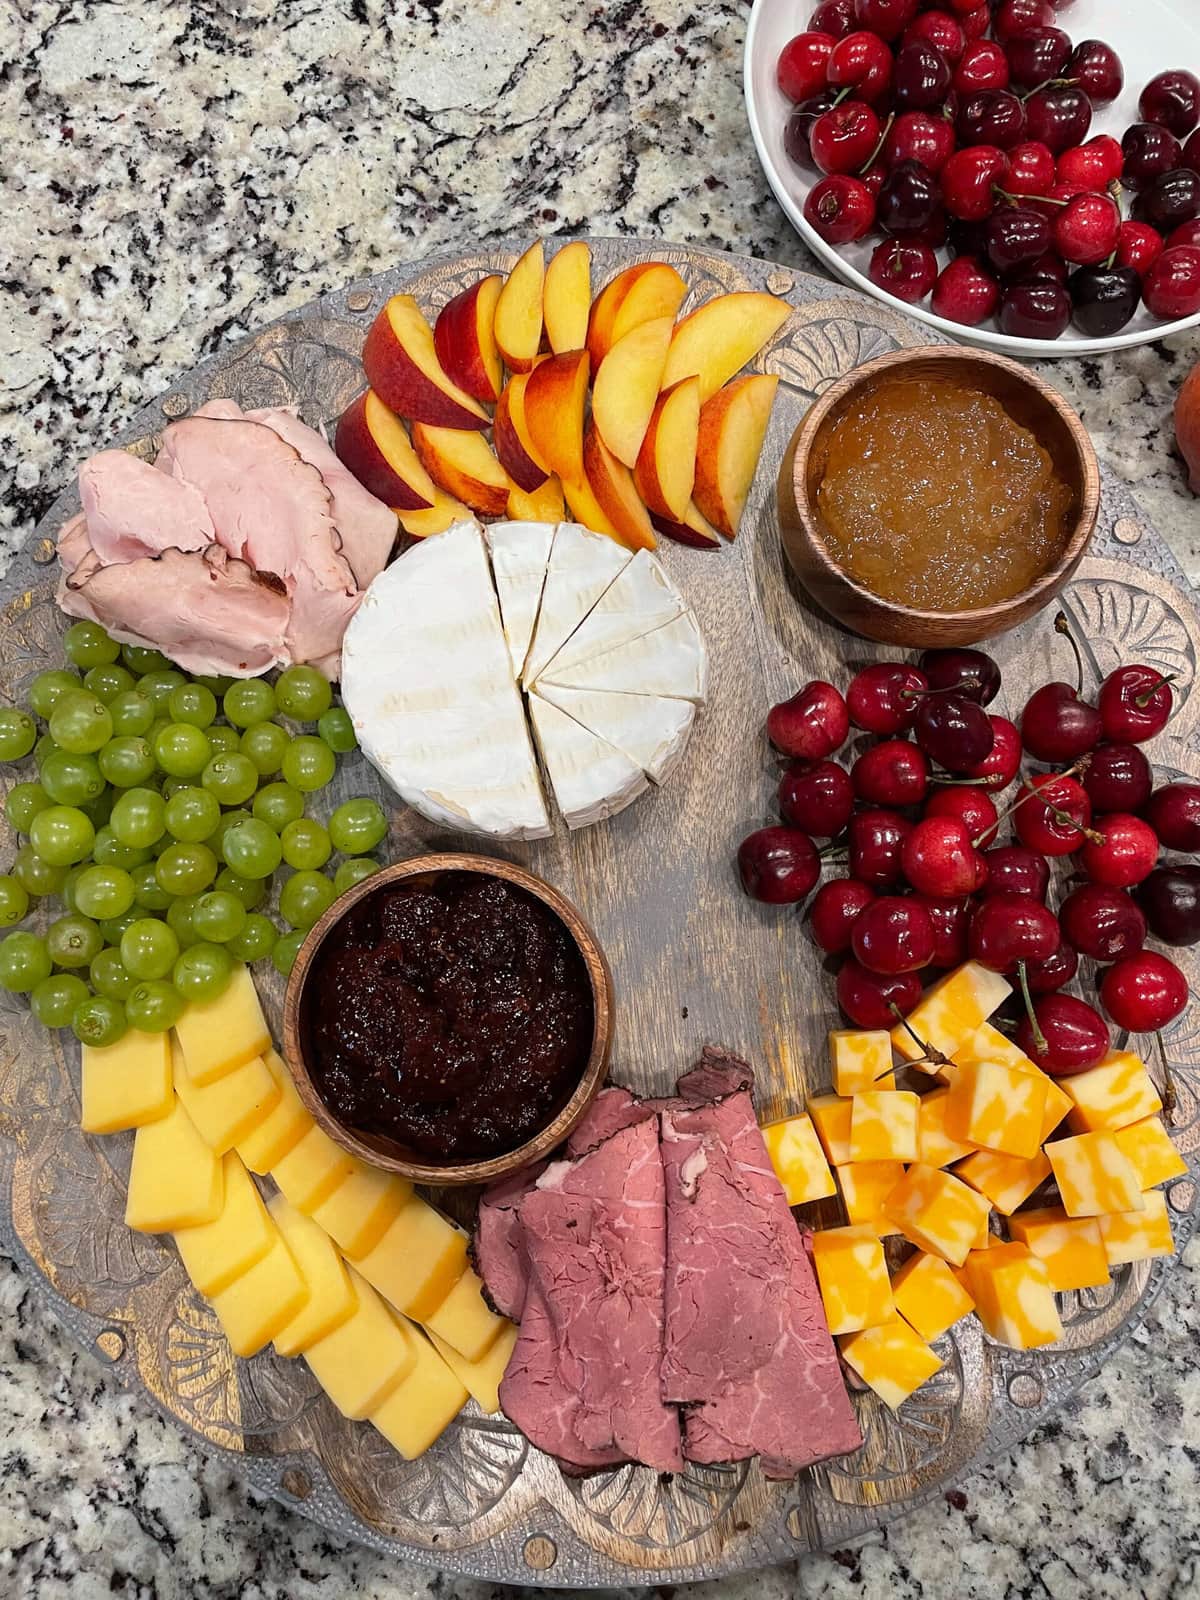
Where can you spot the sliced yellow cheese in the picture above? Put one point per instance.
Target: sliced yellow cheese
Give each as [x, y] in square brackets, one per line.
[1115, 1092]
[362, 1361]
[1138, 1235]
[361, 1208]
[997, 1107]
[217, 1252]
[218, 1035]
[883, 1125]
[929, 1296]
[831, 1118]
[465, 1321]
[1151, 1150]
[417, 1261]
[422, 1406]
[175, 1181]
[865, 1185]
[257, 1305]
[1071, 1247]
[853, 1278]
[231, 1106]
[1094, 1175]
[331, 1298]
[126, 1084]
[1013, 1297]
[861, 1060]
[312, 1170]
[935, 1147]
[1007, 1181]
[798, 1159]
[890, 1359]
[481, 1377]
[951, 1011]
[937, 1212]
[282, 1128]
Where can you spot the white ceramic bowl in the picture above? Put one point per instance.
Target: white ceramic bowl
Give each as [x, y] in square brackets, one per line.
[1149, 36]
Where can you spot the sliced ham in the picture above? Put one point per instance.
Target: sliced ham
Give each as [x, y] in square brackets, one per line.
[132, 510]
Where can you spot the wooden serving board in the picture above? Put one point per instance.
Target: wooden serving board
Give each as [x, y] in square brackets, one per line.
[693, 960]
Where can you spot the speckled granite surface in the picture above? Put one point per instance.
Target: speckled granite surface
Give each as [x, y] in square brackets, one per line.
[175, 172]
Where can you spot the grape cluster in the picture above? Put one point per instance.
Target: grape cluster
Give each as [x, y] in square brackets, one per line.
[162, 806]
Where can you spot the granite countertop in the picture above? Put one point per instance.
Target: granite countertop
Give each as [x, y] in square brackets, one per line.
[177, 172]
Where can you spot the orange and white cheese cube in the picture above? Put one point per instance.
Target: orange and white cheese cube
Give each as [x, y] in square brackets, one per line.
[935, 1147]
[1094, 1175]
[1115, 1092]
[996, 1106]
[954, 1008]
[1013, 1297]
[883, 1125]
[890, 1359]
[1071, 1247]
[853, 1278]
[865, 1185]
[1151, 1150]
[928, 1295]
[1007, 1181]
[830, 1115]
[989, 1044]
[937, 1212]
[1058, 1103]
[861, 1060]
[1138, 1235]
[798, 1159]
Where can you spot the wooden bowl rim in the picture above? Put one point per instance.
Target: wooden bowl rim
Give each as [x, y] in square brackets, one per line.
[1089, 482]
[591, 1077]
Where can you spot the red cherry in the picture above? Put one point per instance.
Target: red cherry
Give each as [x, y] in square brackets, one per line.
[887, 18]
[813, 723]
[893, 934]
[778, 865]
[903, 267]
[840, 208]
[1055, 197]
[883, 697]
[835, 17]
[1174, 814]
[816, 796]
[1032, 168]
[940, 29]
[1034, 310]
[1118, 778]
[876, 842]
[1056, 725]
[1127, 851]
[1191, 152]
[1018, 16]
[1102, 922]
[862, 63]
[1173, 99]
[970, 180]
[939, 859]
[983, 66]
[972, 808]
[965, 293]
[1095, 164]
[1187, 233]
[1015, 869]
[1054, 818]
[1075, 1035]
[1059, 115]
[800, 125]
[917, 136]
[800, 70]
[1087, 228]
[1139, 246]
[834, 908]
[1171, 288]
[1144, 992]
[960, 670]
[950, 919]
[1008, 928]
[867, 998]
[1096, 68]
[874, 178]
[1002, 762]
[1135, 704]
[1049, 976]
[843, 139]
[892, 773]
[954, 731]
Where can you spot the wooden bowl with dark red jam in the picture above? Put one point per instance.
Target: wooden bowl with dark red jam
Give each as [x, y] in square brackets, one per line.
[937, 496]
[449, 1019]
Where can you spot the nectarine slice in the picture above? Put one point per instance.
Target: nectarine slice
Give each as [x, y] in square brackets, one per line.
[371, 442]
[611, 482]
[638, 294]
[510, 435]
[402, 367]
[666, 463]
[442, 514]
[732, 426]
[693, 529]
[585, 509]
[567, 297]
[719, 337]
[465, 340]
[544, 504]
[555, 397]
[518, 321]
[463, 465]
[627, 386]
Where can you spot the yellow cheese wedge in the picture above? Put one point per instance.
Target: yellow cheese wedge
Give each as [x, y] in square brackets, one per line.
[861, 1060]
[126, 1084]
[331, 1298]
[481, 1377]
[423, 1405]
[361, 1207]
[257, 1305]
[219, 1251]
[1058, 1103]
[1115, 1092]
[1007, 1181]
[465, 1320]
[883, 1125]
[890, 1359]
[1151, 1150]
[312, 1170]
[1094, 1175]
[229, 1107]
[935, 1147]
[997, 1107]
[853, 1278]
[418, 1260]
[362, 1361]
[831, 1118]
[929, 1296]
[175, 1181]
[937, 1212]
[798, 1159]
[865, 1185]
[987, 1043]
[282, 1128]
[218, 1035]
[1071, 1247]
[1138, 1235]
[1013, 1297]
[954, 1008]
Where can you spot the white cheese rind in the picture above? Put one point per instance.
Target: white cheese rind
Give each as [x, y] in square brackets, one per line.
[591, 780]
[640, 599]
[650, 730]
[582, 566]
[520, 553]
[671, 661]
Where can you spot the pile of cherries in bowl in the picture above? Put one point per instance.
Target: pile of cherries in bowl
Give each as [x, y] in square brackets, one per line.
[922, 127]
[915, 820]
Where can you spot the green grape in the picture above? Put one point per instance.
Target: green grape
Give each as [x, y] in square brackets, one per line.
[202, 971]
[160, 686]
[287, 948]
[303, 693]
[127, 760]
[24, 962]
[352, 872]
[74, 941]
[80, 723]
[113, 928]
[215, 685]
[305, 843]
[139, 817]
[219, 916]
[222, 739]
[194, 704]
[186, 868]
[147, 892]
[248, 701]
[305, 898]
[24, 802]
[179, 918]
[141, 658]
[18, 733]
[108, 851]
[86, 644]
[37, 877]
[72, 780]
[14, 900]
[358, 826]
[153, 1005]
[251, 848]
[192, 814]
[172, 786]
[251, 892]
[231, 778]
[308, 763]
[265, 743]
[55, 999]
[182, 750]
[108, 681]
[277, 804]
[42, 749]
[132, 713]
[67, 891]
[99, 1021]
[256, 940]
[335, 727]
[108, 975]
[99, 810]
[104, 892]
[155, 728]
[148, 948]
[47, 688]
[61, 835]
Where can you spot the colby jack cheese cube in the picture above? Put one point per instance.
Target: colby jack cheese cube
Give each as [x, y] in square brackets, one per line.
[262, 1301]
[1138, 1235]
[799, 1162]
[1115, 1092]
[996, 1106]
[1094, 1175]
[1071, 1247]
[883, 1125]
[865, 1185]
[126, 1084]
[853, 1278]
[1013, 1297]
[1151, 1150]
[1007, 1181]
[218, 1035]
[861, 1060]
[954, 1008]
[935, 1147]
[929, 1296]
[989, 1044]
[891, 1359]
[175, 1181]
[282, 1128]
[831, 1118]
[236, 1239]
[937, 1212]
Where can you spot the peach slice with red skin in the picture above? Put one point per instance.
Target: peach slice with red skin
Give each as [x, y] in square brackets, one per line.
[717, 339]
[543, 504]
[463, 465]
[694, 530]
[732, 427]
[371, 443]
[555, 399]
[666, 463]
[639, 294]
[465, 340]
[626, 387]
[402, 367]
[442, 514]
[510, 435]
[518, 322]
[567, 297]
[611, 482]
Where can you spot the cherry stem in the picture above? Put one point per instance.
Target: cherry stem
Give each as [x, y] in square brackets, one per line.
[1038, 199]
[1142, 700]
[835, 852]
[841, 95]
[935, 1058]
[1061, 625]
[875, 154]
[1039, 1038]
[1080, 767]
[1169, 1098]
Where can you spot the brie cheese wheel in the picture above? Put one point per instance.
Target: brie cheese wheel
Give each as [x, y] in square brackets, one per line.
[520, 553]
[582, 565]
[640, 599]
[428, 682]
[671, 661]
[650, 730]
[591, 780]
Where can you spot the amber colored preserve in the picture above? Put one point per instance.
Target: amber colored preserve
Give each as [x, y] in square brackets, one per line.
[933, 496]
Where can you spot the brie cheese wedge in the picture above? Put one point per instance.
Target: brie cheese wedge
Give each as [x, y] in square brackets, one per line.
[520, 553]
[670, 661]
[591, 780]
[640, 599]
[651, 731]
[582, 565]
